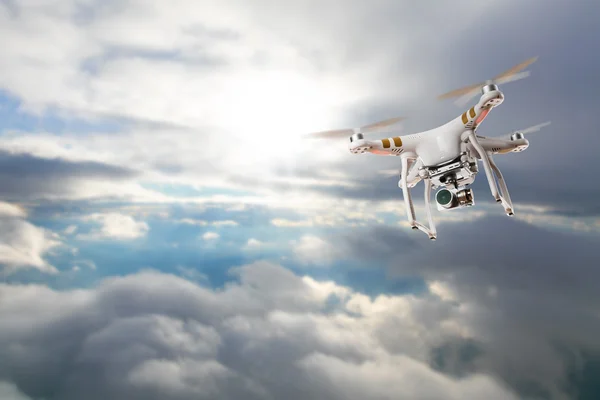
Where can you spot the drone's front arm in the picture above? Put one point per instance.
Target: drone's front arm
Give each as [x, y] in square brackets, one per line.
[499, 146]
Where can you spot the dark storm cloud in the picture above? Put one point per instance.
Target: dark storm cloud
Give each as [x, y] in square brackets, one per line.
[535, 292]
[24, 176]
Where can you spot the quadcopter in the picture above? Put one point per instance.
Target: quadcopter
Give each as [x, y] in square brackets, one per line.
[445, 157]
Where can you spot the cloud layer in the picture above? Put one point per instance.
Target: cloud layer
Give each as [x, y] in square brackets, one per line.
[270, 335]
[171, 131]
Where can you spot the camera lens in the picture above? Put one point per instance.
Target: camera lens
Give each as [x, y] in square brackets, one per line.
[444, 197]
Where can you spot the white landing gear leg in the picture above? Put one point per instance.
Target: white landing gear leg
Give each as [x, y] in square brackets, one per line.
[410, 210]
[505, 197]
[432, 231]
[486, 165]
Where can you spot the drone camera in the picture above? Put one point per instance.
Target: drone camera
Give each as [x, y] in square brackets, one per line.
[447, 199]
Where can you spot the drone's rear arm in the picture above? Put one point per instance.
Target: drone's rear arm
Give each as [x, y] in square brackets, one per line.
[392, 146]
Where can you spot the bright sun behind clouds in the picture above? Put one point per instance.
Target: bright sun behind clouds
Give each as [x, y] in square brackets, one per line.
[269, 112]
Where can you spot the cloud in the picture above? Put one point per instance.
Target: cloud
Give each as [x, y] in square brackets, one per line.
[190, 221]
[313, 250]
[225, 223]
[192, 274]
[115, 226]
[84, 263]
[71, 229]
[9, 391]
[527, 292]
[380, 379]
[210, 236]
[294, 81]
[26, 176]
[272, 334]
[269, 70]
[255, 244]
[199, 222]
[12, 210]
[22, 244]
[218, 95]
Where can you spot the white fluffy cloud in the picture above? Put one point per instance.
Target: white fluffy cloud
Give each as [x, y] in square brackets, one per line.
[267, 336]
[210, 236]
[314, 250]
[115, 226]
[199, 222]
[254, 244]
[22, 244]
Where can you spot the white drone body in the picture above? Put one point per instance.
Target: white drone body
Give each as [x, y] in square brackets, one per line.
[445, 157]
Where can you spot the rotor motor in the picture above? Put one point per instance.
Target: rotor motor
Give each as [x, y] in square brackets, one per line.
[356, 137]
[517, 136]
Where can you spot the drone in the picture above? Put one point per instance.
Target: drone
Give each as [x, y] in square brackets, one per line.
[445, 157]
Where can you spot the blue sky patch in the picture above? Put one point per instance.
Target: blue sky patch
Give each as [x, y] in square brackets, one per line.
[13, 117]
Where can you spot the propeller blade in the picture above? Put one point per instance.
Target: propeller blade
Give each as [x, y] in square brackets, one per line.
[534, 128]
[332, 134]
[464, 99]
[461, 92]
[516, 69]
[381, 124]
[389, 172]
[371, 128]
[468, 92]
[512, 78]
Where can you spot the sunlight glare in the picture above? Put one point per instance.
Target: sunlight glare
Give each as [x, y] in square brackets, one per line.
[269, 112]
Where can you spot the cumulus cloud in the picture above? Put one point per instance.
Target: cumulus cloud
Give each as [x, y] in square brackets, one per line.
[200, 222]
[22, 244]
[529, 292]
[210, 236]
[313, 250]
[269, 335]
[115, 226]
[225, 223]
[190, 221]
[255, 245]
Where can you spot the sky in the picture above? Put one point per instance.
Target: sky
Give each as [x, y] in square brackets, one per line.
[167, 232]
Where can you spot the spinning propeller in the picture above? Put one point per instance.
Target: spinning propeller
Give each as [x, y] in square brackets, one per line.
[525, 131]
[371, 128]
[468, 92]
[534, 128]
